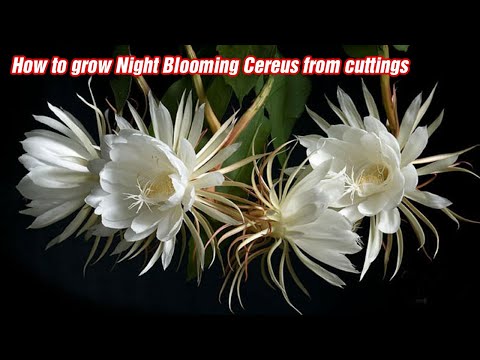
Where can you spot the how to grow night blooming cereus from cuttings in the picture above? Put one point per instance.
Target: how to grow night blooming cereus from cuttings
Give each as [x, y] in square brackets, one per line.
[202, 177]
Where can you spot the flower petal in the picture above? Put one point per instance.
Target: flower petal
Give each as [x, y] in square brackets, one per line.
[208, 180]
[406, 125]
[161, 121]
[415, 145]
[57, 213]
[373, 247]
[389, 221]
[411, 177]
[168, 250]
[428, 199]
[352, 213]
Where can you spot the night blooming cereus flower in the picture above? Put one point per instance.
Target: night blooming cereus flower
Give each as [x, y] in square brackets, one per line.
[292, 215]
[152, 183]
[381, 179]
[63, 170]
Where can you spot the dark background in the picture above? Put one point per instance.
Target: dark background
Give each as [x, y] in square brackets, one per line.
[39, 284]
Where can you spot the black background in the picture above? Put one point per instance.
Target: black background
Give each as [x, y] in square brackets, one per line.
[42, 285]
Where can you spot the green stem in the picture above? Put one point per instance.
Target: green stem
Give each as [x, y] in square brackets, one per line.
[387, 98]
[251, 111]
[202, 96]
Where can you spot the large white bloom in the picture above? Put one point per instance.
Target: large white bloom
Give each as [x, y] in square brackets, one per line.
[294, 215]
[62, 173]
[380, 176]
[151, 183]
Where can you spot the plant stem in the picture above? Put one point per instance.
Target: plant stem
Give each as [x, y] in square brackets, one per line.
[251, 111]
[387, 98]
[202, 96]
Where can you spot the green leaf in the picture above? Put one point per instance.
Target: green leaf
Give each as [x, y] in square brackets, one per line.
[219, 95]
[243, 84]
[246, 138]
[285, 105]
[121, 84]
[403, 48]
[360, 51]
[171, 98]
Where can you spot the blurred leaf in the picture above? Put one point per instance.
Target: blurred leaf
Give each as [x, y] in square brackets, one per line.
[219, 95]
[121, 84]
[246, 138]
[285, 105]
[360, 51]
[403, 48]
[243, 84]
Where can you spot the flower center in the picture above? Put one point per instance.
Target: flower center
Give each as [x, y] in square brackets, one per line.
[373, 174]
[152, 191]
[160, 186]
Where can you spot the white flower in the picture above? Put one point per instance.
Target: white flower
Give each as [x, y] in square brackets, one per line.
[295, 215]
[151, 183]
[379, 171]
[62, 173]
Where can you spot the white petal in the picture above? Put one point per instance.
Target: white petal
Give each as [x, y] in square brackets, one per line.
[325, 255]
[178, 121]
[424, 107]
[168, 250]
[44, 143]
[435, 124]
[197, 126]
[146, 219]
[186, 120]
[349, 109]
[131, 235]
[374, 204]
[218, 159]
[153, 259]
[122, 123]
[30, 162]
[186, 153]
[138, 120]
[95, 196]
[161, 121]
[170, 224]
[55, 124]
[76, 127]
[58, 213]
[411, 177]
[321, 122]
[72, 227]
[30, 190]
[309, 141]
[188, 197]
[428, 199]
[389, 221]
[54, 177]
[317, 269]
[438, 165]
[406, 125]
[115, 212]
[371, 106]
[373, 247]
[216, 214]
[415, 145]
[208, 180]
[352, 213]
[374, 125]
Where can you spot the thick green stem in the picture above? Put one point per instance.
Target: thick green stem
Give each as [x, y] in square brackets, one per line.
[251, 111]
[387, 98]
[202, 96]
